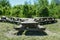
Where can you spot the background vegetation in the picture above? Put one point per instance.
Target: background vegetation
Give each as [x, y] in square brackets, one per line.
[40, 9]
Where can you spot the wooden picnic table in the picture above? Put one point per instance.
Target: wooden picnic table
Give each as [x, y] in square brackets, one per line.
[30, 24]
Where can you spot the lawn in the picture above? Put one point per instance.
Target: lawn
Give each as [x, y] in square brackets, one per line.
[52, 30]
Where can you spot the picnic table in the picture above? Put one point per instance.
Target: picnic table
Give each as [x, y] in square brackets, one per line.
[31, 25]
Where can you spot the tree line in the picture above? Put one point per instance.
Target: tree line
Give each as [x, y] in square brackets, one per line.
[41, 8]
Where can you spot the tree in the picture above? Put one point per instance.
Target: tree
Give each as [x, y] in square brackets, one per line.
[5, 6]
[44, 12]
[43, 8]
[53, 9]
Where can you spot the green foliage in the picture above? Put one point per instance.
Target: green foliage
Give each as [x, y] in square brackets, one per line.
[41, 8]
[45, 12]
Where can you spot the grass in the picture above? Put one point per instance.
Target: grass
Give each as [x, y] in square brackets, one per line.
[54, 33]
[54, 27]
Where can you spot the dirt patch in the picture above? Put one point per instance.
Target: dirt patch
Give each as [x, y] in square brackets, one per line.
[11, 33]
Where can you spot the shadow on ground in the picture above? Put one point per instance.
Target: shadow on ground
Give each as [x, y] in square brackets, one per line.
[33, 33]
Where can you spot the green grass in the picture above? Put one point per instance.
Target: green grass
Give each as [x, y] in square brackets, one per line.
[54, 33]
[54, 27]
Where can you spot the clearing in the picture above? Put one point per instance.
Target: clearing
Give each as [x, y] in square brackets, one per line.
[52, 30]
